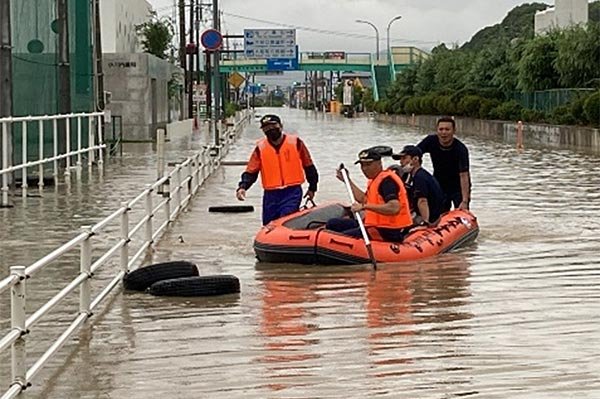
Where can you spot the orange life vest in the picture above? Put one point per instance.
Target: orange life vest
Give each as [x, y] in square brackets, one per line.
[398, 221]
[280, 168]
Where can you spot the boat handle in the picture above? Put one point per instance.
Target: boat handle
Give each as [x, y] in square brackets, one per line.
[345, 244]
[306, 237]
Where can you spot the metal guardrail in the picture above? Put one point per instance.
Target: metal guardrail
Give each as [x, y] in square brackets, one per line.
[94, 130]
[182, 182]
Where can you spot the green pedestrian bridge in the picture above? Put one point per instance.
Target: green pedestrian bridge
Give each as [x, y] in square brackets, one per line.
[383, 71]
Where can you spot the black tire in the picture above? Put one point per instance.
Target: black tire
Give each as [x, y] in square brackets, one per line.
[231, 208]
[142, 278]
[196, 286]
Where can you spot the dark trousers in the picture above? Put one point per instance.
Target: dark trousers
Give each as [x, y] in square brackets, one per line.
[349, 227]
[452, 199]
[279, 203]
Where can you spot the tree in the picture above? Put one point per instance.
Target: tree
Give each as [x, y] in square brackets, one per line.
[156, 36]
[578, 58]
[536, 68]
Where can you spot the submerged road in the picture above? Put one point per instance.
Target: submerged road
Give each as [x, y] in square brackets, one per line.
[513, 315]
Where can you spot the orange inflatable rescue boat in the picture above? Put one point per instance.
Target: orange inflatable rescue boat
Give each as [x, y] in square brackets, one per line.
[302, 238]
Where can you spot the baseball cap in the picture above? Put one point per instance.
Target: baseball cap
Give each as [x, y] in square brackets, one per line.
[411, 150]
[269, 119]
[368, 155]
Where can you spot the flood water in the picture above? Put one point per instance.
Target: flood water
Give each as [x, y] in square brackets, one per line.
[514, 315]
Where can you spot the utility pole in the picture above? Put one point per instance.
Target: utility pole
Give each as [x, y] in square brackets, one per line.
[216, 76]
[191, 63]
[98, 53]
[64, 69]
[5, 60]
[5, 94]
[182, 62]
[197, 27]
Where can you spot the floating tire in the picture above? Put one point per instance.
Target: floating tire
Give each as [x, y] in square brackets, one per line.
[142, 278]
[196, 286]
[231, 208]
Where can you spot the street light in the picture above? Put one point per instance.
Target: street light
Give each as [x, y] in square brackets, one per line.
[389, 50]
[360, 21]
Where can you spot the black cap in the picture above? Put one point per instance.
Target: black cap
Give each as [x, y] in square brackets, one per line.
[411, 150]
[368, 155]
[269, 119]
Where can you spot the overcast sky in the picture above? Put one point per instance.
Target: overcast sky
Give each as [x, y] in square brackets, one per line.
[424, 23]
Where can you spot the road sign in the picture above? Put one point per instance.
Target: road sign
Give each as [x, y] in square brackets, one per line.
[270, 43]
[236, 80]
[253, 89]
[211, 39]
[200, 93]
[282, 64]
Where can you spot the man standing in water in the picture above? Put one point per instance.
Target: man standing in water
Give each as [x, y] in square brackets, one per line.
[450, 159]
[284, 163]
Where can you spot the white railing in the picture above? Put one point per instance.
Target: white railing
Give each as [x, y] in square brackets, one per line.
[94, 132]
[181, 184]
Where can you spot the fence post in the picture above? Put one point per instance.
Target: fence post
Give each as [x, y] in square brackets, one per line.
[68, 141]
[55, 149]
[85, 292]
[197, 173]
[91, 152]
[190, 184]
[18, 319]
[41, 157]
[149, 214]
[169, 198]
[79, 142]
[124, 258]
[520, 135]
[160, 152]
[178, 188]
[24, 158]
[5, 164]
[100, 141]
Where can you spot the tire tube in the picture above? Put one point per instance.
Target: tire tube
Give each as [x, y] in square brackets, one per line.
[196, 286]
[142, 278]
[383, 150]
[231, 208]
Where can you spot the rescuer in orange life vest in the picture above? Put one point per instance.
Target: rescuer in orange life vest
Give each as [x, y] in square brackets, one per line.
[385, 203]
[284, 164]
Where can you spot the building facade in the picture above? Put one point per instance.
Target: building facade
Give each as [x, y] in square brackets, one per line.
[118, 21]
[565, 13]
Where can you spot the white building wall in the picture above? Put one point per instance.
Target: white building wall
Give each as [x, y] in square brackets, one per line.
[565, 13]
[118, 19]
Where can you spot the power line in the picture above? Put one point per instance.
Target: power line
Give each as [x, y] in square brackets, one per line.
[315, 29]
[324, 31]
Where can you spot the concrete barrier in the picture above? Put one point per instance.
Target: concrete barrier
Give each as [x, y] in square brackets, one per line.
[556, 136]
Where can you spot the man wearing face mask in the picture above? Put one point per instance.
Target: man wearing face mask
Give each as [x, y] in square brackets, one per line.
[426, 195]
[284, 163]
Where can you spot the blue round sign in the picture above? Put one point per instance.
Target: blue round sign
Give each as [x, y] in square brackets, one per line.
[211, 39]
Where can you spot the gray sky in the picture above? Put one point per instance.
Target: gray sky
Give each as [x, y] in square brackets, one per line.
[424, 23]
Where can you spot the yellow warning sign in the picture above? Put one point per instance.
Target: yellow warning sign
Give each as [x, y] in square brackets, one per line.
[236, 79]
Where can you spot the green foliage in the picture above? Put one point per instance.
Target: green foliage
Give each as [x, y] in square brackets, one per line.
[532, 115]
[536, 68]
[578, 55]
[510, 110]
[368, 100]
[469, 106]
[518, 23]
[562, 116]
[592, 108]
[231, 109]
[156, 36]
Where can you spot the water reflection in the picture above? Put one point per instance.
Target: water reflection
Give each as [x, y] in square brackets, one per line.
[387, 309]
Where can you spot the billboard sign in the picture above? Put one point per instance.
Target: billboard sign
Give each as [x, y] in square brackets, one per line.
[348, 86]
[270, 43]
[282, 64]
